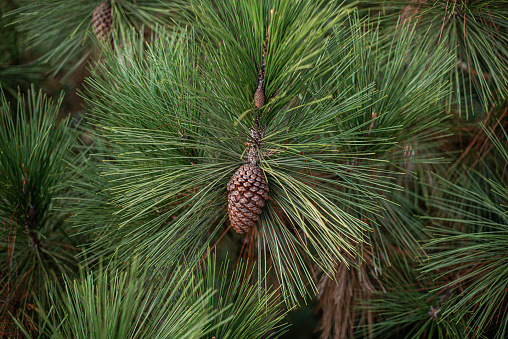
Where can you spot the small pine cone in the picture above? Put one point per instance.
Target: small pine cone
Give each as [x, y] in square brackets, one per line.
[248, 191]
[259, 98]
[101, 20]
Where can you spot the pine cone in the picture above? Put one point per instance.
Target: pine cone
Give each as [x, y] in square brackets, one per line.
[101, 20]
[259, 98]
[248, 191]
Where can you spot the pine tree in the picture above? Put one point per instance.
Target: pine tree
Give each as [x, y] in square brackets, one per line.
[240, 159]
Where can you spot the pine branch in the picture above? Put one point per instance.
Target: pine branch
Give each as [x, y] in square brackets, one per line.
[470, 227]
[176, 113]
[406, 306]
[170, 302]
[65, 38]
[476, 32]
[35, 246]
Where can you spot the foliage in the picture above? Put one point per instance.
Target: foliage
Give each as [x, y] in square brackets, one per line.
[470, 242]
[250, 310]
[16, 70]
[190, 114]
[406, 307]
[35, 242]
[62, 34]
[384, 202]
[407, 115]
[476, 32]
[170, 302]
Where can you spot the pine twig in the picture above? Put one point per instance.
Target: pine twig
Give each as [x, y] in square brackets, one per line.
[256, 134]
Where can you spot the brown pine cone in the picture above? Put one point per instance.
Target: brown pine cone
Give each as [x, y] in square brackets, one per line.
[259, 98]
[101, 20]
[248, 191]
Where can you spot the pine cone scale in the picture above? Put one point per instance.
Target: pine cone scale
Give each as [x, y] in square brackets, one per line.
[248, 191]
